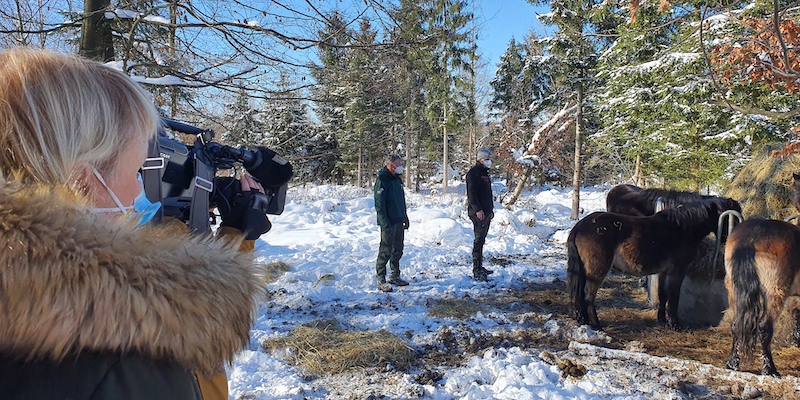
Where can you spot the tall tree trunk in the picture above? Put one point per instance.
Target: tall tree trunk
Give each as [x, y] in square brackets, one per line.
[419, 163]
[370, 165]
[360, 178]
[576, 177]
[173, 20]
[96, 40]
[637, 172]
[445, 155]
[407, 177]
[472, 146]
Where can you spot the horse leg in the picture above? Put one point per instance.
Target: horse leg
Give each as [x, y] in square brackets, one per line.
[673, 288]
[795, 336]
[597, 268]
[591, 310]
[733, 358]
[662, 297]
[765, 330]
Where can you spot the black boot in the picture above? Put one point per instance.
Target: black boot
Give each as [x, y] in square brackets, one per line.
[478, 264]
[478, 272]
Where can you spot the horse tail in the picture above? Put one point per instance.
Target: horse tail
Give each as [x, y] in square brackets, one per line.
[748, 300]
[576, 280]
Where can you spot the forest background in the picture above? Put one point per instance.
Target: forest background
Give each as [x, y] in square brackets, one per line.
[676, 94]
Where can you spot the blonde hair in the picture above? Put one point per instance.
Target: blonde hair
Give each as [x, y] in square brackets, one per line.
[58, 112]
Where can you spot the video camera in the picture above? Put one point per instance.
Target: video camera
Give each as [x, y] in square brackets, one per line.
[187, 185]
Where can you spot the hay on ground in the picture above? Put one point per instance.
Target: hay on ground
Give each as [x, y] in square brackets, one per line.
[326, 347]
[764, 186]
[272, 271]
[454, 308]
[702, 266]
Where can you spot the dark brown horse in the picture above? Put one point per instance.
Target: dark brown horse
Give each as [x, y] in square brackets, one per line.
[633, 200]
[762, 270]
[663, 243]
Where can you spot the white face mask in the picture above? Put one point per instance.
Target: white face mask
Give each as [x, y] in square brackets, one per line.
[487, 163]
[119, 208]
[142, 207]
[398, 170]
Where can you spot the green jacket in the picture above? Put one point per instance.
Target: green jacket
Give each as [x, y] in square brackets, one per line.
[390, 201]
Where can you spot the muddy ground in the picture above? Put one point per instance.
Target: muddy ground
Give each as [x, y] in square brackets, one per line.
[631, 323]
[622, 307]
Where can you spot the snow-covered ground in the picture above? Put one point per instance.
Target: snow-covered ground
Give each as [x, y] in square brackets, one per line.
[329, 237]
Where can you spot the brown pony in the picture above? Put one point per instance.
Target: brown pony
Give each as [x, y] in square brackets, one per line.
[663, 243]
[762, 270]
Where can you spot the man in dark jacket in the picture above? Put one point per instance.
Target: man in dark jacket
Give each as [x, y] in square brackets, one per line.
[390, 205]
[481, 203]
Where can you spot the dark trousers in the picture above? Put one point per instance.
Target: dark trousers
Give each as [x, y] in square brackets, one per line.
[391, 250]
[481, 228]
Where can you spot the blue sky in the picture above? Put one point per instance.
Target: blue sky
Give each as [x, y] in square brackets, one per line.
[501, 20]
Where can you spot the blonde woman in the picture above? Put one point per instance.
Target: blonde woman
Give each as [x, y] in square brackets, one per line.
[92, 305]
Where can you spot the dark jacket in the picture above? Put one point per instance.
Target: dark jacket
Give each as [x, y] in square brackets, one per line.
[92, 309]
[390, 200]
[479, 190]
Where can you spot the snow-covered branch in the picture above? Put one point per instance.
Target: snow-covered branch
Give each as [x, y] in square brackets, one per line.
[547, 126]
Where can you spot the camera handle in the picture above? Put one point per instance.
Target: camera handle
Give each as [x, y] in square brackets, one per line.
[202, 187]
[151, 177]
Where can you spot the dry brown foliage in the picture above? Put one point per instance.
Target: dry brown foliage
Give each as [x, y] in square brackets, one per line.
[761, 57]
[634, 7]
[790, 148]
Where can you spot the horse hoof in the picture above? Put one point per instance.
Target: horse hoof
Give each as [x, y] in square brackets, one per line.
[676, 327]
[771, 372]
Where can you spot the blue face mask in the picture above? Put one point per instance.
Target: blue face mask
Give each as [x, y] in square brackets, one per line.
[142, 209]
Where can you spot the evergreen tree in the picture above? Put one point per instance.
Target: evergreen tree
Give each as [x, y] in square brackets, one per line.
[312, 151]
[582, 28]
[657, 106]
[244, 125]
[507, 82]
[408, 57]
[447, 64]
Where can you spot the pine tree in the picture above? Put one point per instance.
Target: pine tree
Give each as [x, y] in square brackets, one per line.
[657, 106]
[581, 25]
[244, 125]
[448, 61]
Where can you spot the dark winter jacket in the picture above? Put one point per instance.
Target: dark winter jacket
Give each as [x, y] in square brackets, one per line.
[92, 309]
[390, 201]
[479, 190]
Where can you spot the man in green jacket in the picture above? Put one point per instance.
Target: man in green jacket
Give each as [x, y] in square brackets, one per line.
[390, 205]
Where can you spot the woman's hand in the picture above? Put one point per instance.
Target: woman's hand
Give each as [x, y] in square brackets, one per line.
[248, 184]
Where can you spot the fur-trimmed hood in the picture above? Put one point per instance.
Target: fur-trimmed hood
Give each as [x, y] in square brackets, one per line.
[73, 281]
